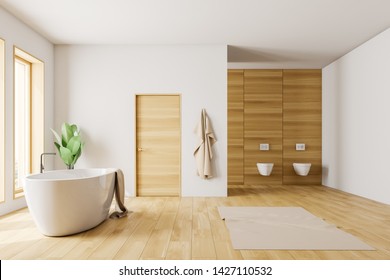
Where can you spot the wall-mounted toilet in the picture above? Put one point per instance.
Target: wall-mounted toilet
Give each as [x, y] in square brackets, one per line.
[302, 169]
[265, 169]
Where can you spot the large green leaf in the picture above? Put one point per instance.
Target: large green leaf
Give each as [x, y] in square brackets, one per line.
[66, 155]
[76, 156]
[67, 134]
[74, 144]
[58, 147]
[74, 129]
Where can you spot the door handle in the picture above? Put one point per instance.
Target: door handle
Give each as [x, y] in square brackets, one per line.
[140, 149]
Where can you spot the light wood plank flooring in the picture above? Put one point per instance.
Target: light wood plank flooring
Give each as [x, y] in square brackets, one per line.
[190, 228]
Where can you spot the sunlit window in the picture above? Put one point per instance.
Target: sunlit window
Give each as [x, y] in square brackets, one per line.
[28, 117]
[22, 122]
[2, 121]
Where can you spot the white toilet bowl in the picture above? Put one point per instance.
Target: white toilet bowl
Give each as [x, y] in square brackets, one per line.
[302, 169]
[265, 169]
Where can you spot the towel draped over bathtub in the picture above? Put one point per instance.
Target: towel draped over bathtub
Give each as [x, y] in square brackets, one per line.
[119, 191]
[203, 152]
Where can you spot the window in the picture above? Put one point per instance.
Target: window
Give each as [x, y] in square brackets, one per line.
[28, 116]
[2, 121]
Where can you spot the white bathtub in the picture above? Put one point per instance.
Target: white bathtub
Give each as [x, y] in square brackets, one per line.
[64, 202]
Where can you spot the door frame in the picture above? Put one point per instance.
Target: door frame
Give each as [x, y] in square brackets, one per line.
[136, 143]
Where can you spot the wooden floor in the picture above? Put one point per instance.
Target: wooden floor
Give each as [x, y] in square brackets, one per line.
[190, 228]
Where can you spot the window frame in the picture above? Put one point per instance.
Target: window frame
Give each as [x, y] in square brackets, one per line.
[18, 188]
[36, 115]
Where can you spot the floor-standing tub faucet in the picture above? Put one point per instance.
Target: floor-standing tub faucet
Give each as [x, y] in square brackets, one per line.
[42, 167]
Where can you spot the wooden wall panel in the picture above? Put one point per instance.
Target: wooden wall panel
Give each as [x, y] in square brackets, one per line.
[235, 127]
[302, 124]
[278, 107]
[262, 124]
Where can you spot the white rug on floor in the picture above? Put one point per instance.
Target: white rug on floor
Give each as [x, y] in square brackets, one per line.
[284, 228]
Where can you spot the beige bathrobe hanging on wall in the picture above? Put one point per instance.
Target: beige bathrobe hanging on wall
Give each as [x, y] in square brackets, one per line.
[203, 152]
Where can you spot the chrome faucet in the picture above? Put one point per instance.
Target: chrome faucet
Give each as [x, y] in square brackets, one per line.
[42, 167]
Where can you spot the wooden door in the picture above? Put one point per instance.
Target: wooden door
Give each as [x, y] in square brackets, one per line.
[158, 144]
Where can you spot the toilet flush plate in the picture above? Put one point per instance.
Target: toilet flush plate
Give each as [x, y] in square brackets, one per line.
[300, 147]
[264, 147]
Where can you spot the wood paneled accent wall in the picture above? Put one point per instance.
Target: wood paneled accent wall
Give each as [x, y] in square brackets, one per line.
[278, 107]
[302, 123]
[262, 124]
[236, 127]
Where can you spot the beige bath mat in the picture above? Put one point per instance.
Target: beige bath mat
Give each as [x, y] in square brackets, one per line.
[284, 228]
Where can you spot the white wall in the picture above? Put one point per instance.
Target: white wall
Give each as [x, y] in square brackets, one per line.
[356, 121]
[16, 33]
[96, 86]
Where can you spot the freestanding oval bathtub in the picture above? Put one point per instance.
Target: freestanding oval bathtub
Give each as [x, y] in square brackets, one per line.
[64, 202]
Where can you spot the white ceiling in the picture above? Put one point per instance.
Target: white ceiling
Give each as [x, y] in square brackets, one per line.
[280, 33]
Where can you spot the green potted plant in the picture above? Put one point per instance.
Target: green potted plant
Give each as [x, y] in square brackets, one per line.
[69, 145]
